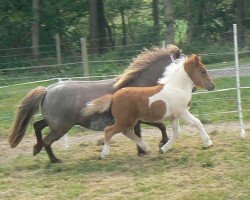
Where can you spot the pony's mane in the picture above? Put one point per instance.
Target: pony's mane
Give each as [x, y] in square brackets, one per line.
[143, 61]
[171, 69]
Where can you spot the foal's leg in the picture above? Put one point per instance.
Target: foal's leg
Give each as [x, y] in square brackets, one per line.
[108, 134]
[176, 130]
[196, 122]
[137, 131]
[131, 135]
[39, 126]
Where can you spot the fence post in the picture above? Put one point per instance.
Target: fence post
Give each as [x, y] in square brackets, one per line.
[58, 49]
[242, 130]
[163, 44]
[84, 56]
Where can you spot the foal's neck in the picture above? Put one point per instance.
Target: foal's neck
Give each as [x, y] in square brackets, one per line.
[180, 80]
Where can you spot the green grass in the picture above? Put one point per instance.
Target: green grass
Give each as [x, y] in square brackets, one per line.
[185, 172]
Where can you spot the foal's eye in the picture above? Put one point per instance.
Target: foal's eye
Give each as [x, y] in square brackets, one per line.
[203, 70]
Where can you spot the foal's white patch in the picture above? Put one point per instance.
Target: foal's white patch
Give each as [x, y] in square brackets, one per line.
[171, 69]
[177, 89]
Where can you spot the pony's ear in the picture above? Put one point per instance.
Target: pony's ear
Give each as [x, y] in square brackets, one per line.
[196, 58]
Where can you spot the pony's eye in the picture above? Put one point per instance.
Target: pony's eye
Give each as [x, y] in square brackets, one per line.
[203, 70]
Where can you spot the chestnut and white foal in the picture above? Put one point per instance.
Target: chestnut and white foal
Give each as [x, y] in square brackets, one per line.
[171, 100]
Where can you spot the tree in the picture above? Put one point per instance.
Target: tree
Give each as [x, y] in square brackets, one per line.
[169, 20]
[101, 27]
[98, 26]
[124, 29]
[155, 13]
[93, 28]
[240, 18]
[36, 28]
[190, 21]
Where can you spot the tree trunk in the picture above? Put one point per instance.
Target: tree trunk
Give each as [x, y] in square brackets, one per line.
[190, 21]
[110, 35]
[97, 28]
[102, 27]
[155, 13]
[35, 29]
[169, 19]
[93, 26]
[124, 29]
[240, 19]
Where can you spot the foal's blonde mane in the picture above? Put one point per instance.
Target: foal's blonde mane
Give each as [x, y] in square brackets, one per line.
[144, 61]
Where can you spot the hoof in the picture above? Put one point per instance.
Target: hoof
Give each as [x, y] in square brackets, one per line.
[56, 160]
[100, 158]
[37, 148]
[162, 143]
[141, 152]
[207, 147]
[161, 151]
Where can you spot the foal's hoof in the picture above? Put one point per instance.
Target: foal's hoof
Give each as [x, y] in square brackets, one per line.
[101, 157]
[163, 142]
[161, 151]
[141, 152]
[207, 147]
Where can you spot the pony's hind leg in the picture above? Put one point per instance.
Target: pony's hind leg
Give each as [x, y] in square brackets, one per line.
[131, 135]
[108, 134]
[137, 131]
[163, 129]
[39, 126]
[49, 139]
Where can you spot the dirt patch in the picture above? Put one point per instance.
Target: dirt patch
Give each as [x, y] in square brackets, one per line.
[26, 145]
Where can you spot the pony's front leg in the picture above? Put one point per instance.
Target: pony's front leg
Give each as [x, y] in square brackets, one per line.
[176, 130]
[187, 116]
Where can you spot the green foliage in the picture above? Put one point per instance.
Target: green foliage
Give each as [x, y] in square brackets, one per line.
[210, 21]
[181, 28]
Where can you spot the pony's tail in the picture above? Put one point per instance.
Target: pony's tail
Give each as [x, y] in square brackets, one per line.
[27, 109]
[99, 105]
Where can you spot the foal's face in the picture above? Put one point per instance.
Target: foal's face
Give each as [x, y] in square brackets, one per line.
[198, 73]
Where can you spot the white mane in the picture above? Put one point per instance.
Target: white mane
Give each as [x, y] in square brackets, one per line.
[171, 69]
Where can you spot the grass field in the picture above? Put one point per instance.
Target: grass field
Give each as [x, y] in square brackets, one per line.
[185, 172]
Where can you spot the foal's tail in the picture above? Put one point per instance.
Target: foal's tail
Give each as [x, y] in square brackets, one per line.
[25, 112]
[99, 105]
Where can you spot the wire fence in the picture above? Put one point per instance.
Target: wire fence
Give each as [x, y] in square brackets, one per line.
[209, 106]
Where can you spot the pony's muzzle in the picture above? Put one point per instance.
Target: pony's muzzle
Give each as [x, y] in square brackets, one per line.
[210, 86]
